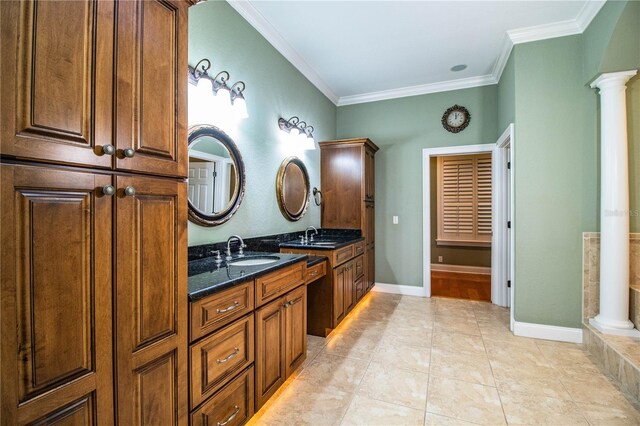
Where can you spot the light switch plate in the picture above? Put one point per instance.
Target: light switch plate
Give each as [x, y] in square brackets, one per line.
[395, 220]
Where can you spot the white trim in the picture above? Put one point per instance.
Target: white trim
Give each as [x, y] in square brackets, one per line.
[515, 36]
[421, 89]
[405, 290]
[427, 153]
[548, 332]
[463, 269]
[264, 27]
[558, 29]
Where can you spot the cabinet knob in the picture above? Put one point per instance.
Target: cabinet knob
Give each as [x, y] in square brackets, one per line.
[129, 152]
[108, 190]
[129, 191]
[108, 149]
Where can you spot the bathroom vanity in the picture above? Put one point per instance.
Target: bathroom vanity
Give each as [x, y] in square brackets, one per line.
[247, 332]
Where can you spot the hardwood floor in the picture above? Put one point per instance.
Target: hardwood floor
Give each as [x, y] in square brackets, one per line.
[461, 285]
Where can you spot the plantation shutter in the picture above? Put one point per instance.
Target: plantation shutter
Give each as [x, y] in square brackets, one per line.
[464, 200]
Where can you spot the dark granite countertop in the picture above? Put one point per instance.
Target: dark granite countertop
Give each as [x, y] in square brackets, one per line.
[314, 260]
[323, 243]
[205, 277]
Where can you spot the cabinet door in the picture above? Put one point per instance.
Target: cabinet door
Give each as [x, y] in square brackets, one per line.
[295, 325]
[151, 301]
[370, 261]
[338, 294]
[57, 61]
[55, 293]
[349, 287]
[369, 176]
[270, 357]
[151, 88]
[369, 227]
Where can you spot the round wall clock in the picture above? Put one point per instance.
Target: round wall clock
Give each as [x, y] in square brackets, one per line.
[456, 119]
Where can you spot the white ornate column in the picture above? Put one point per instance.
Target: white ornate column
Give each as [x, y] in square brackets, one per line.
[614, 206]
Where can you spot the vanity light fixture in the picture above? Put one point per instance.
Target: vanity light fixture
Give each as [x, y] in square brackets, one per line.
[299, 132]
[210, 91]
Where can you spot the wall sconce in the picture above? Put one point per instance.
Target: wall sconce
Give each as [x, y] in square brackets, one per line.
[206, 92]
[299, 132]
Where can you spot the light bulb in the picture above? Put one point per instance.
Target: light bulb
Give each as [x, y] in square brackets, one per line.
[240, 107]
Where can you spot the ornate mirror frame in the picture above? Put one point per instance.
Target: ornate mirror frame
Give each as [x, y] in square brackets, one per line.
[219, 218]
[292, 216]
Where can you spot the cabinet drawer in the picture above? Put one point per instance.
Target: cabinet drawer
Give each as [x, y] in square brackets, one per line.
[342, 255]
[217, 357]
[277, 283]
[358, 266]
[231, 406]
[218, 310]
[315, 272]
[358, 248]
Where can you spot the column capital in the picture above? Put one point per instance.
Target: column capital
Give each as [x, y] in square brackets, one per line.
[609, 79]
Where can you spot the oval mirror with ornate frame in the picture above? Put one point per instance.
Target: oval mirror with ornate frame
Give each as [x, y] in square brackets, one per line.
[292, 188]
[216, 176]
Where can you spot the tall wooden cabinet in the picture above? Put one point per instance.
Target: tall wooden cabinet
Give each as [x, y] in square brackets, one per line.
[347, 173]
[93, 277]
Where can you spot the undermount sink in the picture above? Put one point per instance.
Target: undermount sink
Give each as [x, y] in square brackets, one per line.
[253, 261]
[323, 243]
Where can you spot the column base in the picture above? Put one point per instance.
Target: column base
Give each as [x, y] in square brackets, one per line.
[618, 328]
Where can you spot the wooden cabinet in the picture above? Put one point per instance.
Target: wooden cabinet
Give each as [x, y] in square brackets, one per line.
[334, 295]
[349, 192]
[315, 272]
[56, 287]
[281, 342]
[94, 284]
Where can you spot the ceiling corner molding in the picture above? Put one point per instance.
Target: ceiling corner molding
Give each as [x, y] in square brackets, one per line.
[588, 12]
[257, 21]
[422, 89]
[501, 62]
[558, 29]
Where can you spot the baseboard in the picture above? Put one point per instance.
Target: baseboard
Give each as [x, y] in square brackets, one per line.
[484, 270]
[405, 290]
[547, 332]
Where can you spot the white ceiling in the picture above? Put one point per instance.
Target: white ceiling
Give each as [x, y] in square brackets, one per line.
[361, 51]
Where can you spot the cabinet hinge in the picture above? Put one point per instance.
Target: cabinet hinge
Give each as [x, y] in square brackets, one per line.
[509, 224]
[509, 165]
[509, 284]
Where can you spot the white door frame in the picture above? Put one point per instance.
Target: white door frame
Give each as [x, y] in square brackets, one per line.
[502, 239]
[427, 153]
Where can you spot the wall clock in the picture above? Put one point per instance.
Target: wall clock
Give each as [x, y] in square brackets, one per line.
[456, 119]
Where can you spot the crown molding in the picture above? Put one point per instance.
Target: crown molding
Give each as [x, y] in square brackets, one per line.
[422, 89]
[512, 37]
[257, 21]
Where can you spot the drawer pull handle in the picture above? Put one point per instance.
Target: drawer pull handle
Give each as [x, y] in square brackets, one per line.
[235, 352]
[230, 308]
[231, 417]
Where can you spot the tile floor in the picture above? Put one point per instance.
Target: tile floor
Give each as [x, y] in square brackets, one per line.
[399, 360]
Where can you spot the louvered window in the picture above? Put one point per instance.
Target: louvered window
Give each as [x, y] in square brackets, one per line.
[464, 200]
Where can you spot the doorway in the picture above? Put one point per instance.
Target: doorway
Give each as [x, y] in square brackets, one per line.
[502, 262]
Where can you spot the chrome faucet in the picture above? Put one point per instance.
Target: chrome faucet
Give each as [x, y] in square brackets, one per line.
[306, 233]
[242, 245]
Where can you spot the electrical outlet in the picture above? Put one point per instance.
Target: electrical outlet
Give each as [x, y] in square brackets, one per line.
[395, 220]
[440, 259]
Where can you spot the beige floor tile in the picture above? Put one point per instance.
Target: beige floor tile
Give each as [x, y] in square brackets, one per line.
[507, 371]
[394, 385]
[367, 411]
[593, 389]
[300, 404]
[339, 372]
[551, 387]
[621, 414]
[531, 409]
[461, 400]
[414, 358]
[520, 357]
[431, 419]
[458, 342]
[457, 325]
[415, 336]
[563, 357]
[460, 366]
